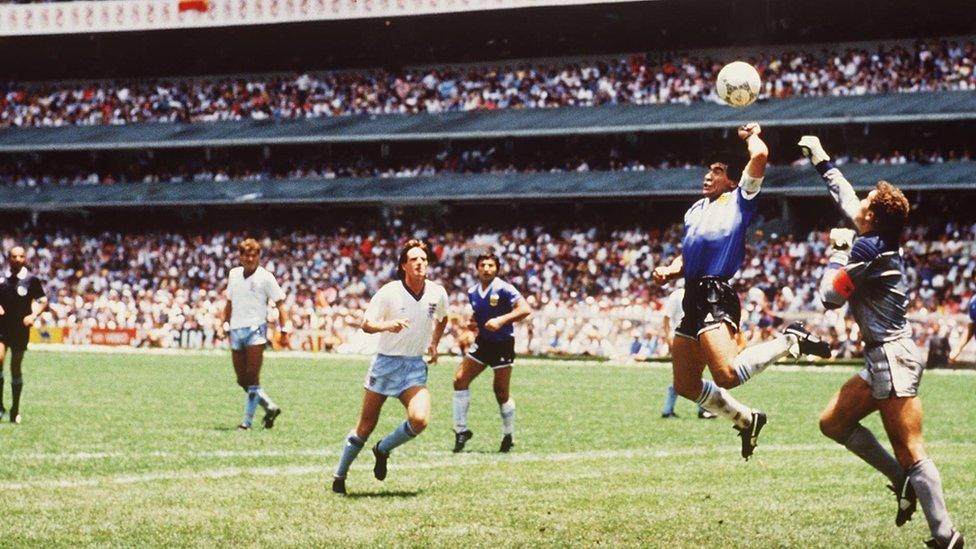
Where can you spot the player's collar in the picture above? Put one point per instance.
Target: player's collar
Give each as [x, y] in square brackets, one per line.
[486, 291]
[21, 274]
[417, 297]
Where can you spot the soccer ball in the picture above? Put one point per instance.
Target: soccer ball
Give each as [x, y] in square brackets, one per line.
[738, 84]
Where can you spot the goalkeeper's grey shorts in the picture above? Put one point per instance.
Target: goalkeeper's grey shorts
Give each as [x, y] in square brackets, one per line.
[893, 369]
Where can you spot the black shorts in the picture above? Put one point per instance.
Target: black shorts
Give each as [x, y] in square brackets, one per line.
[14, 337]
[708, 303]
[494, 354]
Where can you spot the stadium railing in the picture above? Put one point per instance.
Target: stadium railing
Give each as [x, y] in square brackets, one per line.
[668, 183]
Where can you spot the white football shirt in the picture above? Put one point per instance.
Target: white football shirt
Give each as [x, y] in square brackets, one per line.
[394, 301]
[249, 296]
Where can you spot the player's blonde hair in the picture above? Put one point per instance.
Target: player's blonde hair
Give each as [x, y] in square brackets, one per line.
[249, 245]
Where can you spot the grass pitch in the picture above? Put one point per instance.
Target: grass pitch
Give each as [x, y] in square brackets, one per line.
[141, 450]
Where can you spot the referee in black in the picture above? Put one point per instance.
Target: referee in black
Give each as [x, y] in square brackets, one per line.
[21, 300]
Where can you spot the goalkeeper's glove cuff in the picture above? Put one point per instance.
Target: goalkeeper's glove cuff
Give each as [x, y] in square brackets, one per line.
[839, 257]
[824, 166]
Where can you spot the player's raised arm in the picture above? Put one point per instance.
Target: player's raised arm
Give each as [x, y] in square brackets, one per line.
[840, 188]
[758, 156]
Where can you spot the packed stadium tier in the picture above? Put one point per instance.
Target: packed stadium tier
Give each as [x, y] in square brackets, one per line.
[932, 65]
[585, 271]
[923, 144]
[600, 28]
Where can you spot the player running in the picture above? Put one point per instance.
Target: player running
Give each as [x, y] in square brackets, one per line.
[410, 315]
[496, 305]
[867, 270]
[712, 251]
[22, 299]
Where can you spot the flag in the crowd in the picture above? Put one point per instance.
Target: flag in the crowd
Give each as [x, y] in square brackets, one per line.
[194, 5]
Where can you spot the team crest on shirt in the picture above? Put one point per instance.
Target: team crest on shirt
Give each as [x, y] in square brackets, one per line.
[493, 300]
[431, 307]
[21, 291]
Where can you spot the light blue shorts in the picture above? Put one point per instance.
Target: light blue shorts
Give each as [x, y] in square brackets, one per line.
[392, 375]
[248, 336]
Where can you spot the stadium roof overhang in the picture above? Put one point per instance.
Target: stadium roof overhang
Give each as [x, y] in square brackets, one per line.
[799, 112]
[658, 185]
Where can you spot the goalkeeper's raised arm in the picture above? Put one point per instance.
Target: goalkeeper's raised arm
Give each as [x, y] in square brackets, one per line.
[840, 188]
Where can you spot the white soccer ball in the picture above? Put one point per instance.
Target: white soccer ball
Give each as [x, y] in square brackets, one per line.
[738, 84]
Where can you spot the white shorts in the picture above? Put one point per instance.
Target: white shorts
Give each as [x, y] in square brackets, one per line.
[893, 369]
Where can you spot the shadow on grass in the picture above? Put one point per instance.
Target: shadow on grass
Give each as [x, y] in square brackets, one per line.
[393, 494]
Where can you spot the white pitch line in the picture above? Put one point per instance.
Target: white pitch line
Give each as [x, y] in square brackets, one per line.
[462, 460]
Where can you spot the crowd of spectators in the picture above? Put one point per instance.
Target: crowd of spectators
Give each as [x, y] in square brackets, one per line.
[590, 288]
[640, 80]
[28, 173]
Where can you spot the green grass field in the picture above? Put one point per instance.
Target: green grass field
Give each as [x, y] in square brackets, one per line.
[141, 450]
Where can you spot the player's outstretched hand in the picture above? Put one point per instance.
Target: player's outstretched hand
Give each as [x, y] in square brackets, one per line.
[493, 325]
[750, 129]
[29, 321]
[396, 326]
[811, 148]
[841, 239]
[432, 354]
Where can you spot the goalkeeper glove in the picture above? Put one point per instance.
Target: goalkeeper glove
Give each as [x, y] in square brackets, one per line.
[811, 148]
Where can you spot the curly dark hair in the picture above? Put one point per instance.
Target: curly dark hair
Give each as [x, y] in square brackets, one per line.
[890, 209]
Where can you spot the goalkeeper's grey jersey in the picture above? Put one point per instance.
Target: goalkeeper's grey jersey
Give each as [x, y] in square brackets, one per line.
[880, 298]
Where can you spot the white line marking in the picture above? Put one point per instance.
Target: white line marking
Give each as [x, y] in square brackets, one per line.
[461, 460]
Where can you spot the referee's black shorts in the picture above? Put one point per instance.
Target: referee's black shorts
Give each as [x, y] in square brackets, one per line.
[494, 354]
[709, 302]
[14, 337]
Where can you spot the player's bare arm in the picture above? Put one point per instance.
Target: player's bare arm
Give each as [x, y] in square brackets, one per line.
[962, 344]
[37, 307]
[377, 326]
[665, 274]
[436, 340]
[284, 324]
[758, 152]
[520, 312]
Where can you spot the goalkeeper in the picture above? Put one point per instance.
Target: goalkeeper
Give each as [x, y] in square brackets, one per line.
[866, 270]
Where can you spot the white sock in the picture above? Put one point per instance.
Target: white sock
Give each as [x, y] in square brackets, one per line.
[508, 416]
[753, 360]
[264, 400]
[462, 399]
[718, 401]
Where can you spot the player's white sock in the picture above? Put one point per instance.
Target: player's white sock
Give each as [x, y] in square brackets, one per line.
[462, 400]
[753, 360]
[250, 405]
[508, 416]
[718, 401]
[264, 400]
